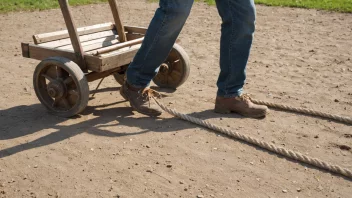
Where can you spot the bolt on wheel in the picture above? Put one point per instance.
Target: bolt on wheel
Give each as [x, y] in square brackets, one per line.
[61, 86]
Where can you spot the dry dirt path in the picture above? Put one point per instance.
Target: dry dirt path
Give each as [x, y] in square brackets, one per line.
[300, 57]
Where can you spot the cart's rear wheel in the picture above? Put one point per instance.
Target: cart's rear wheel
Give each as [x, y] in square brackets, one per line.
[175, 70]
[61, 86]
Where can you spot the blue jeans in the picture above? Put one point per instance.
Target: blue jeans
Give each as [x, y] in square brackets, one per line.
[237, 31]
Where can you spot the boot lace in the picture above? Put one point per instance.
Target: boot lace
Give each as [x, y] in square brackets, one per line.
[246, 98]
[147, 94]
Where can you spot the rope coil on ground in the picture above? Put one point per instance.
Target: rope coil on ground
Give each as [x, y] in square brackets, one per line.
[270, 147]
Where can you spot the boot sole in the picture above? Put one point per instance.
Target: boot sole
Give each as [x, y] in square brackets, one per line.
[227, 111]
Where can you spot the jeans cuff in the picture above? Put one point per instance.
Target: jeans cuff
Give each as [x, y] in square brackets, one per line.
[239, 93]
[136, 86]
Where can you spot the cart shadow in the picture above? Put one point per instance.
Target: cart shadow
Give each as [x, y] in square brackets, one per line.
[24, 120]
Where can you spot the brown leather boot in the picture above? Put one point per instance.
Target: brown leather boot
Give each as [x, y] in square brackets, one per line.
[141, 100]
[241, 105]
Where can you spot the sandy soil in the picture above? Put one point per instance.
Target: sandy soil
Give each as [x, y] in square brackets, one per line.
[300, 57]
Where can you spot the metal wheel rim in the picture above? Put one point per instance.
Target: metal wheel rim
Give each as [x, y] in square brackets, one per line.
[172, 71]
[54, 78]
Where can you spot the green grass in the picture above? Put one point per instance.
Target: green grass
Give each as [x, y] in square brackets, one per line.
[17, 5]
[332, 5]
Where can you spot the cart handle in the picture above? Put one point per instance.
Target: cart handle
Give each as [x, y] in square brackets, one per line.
[118, 23]
[72, 31]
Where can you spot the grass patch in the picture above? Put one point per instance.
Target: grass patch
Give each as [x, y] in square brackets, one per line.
[18, 5]
[332, 5]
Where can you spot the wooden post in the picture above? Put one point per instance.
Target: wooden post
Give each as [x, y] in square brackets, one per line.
[72, 30]
[120, 28]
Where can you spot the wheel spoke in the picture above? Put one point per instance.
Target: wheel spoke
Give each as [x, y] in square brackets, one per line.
[172, 56]
[175, 65]
[59, 72]
[64, 101]
[73, 92]
[50, 79]
[56, 101]
[176, 61]
[68, 80]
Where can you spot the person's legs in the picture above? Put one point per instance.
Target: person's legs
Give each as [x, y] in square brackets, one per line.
[237, 31]
[236, 39]
[161, 35]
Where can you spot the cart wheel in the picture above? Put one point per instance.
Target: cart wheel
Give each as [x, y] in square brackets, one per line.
[61, 86]
[120, 77]
[175, 70]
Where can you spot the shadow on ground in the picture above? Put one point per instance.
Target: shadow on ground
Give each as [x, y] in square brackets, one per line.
[23, 120]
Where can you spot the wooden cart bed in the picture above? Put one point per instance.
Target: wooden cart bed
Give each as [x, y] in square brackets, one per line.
[100, 43]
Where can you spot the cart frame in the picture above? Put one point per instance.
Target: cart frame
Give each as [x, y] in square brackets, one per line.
[129, 37]
[71, 58]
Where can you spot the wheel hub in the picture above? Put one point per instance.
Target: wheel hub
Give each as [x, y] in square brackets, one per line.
[164, 68]
[56, 89]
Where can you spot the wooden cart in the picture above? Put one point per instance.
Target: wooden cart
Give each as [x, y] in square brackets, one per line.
[71, 58]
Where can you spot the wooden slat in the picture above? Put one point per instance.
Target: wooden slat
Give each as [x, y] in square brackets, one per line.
[134, 29]
[25, 50]
[117, 46]
[63, 42]
[94, 44]
[53, 36]
[118, 58]
[117, 19]
[133, 36]
[120, 51]
[94, 63]
[40, 53]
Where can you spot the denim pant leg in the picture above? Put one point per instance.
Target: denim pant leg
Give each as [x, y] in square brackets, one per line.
[161, 35]
[237, 31]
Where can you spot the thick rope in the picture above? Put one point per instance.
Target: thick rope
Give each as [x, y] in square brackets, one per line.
[339, 118]
[264, 145]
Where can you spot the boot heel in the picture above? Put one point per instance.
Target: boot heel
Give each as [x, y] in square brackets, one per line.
[221, 109]
[123, 94]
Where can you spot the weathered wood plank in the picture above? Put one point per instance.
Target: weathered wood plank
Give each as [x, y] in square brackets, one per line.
[137, 30]
[93, 63]
[118, 58]
[53, 36]
[25, 50]
[94, 44]
[41, 53]
[131, 36]
[117, 46]
[84, 38]
[72, 31]
[120, 28]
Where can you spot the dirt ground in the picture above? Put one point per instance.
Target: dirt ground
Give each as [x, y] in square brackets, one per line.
[300, 57]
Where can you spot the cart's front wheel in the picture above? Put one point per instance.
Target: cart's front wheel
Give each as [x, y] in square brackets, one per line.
[61, 86]
[175, 70]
